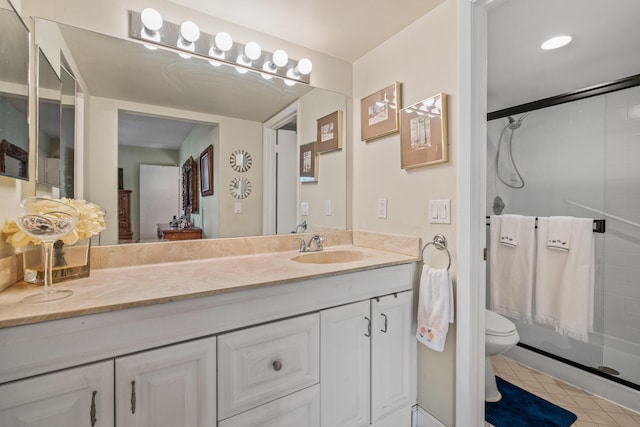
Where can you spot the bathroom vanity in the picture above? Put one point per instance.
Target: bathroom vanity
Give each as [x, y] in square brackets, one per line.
[284, 343]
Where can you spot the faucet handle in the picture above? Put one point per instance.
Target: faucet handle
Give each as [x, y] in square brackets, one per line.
[304, 247]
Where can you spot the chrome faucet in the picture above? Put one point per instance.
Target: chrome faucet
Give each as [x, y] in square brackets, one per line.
[306, 247]
[302, 225]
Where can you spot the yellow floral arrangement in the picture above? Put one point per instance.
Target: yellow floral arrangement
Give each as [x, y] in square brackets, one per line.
[91, 223]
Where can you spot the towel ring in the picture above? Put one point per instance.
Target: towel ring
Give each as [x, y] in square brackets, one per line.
[440, 243]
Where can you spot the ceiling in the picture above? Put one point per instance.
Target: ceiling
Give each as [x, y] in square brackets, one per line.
[605, 47]
[343, 29]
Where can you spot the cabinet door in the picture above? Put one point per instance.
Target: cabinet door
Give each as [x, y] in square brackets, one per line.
[77, 397]
[345, 365]
[391, 339]
[168, 387]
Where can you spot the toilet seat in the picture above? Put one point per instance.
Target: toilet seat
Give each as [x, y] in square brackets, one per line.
[498, 325]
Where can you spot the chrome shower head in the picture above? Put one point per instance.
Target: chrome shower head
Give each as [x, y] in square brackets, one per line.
[514, 124]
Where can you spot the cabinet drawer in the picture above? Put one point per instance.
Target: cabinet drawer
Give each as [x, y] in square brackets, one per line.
[301, 409]
[263, 363]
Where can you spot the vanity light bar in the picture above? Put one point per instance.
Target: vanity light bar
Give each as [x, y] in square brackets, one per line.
[242, 57]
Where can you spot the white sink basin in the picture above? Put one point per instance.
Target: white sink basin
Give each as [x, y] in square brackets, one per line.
[329, 257]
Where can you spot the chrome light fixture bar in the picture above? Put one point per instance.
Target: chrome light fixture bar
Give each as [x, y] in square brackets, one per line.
[149, 27]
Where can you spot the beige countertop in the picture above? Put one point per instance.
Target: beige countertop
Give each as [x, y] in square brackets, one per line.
[109, 289]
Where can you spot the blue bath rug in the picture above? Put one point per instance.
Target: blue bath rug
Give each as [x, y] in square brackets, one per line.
[519, 408]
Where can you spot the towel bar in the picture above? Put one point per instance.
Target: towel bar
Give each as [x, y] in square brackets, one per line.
[599, 225]
[440, 243]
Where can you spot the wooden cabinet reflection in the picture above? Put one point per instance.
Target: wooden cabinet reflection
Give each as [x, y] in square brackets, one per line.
[166, 232]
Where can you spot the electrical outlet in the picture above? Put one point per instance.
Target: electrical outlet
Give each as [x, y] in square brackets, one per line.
[382, 208]
[237, 208]
[304, 208]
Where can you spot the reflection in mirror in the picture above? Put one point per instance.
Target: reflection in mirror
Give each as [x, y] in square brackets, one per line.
[67, 136]
[240, 187]
[240, 161]
[189, 187]
[225, 109]
[14, 90]
[49, 98]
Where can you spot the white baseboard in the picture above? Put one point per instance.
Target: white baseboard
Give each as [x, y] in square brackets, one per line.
[424, 419]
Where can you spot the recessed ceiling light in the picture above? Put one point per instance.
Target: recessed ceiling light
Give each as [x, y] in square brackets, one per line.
[556, 42]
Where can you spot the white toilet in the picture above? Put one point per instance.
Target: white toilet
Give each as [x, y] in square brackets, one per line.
[499, 336]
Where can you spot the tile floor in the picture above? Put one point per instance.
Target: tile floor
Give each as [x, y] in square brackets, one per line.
[592, 411]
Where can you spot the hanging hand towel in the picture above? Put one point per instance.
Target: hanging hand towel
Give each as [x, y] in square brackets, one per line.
[435, 307]
[565, 281]
[509, 230]
[559, 233]
[511, 269]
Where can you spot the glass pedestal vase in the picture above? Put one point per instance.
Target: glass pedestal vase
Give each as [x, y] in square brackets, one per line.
[69, 262]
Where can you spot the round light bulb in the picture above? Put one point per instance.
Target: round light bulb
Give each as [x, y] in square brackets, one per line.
[216, 53]
[151, 19]
[266, 67]
[280, 58]
[289, 82]
[189, 31]
[292, 74]
[252, 50]
[556, 42]
[304, 66]
[223, 41]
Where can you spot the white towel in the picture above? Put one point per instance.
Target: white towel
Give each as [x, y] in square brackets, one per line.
[435, 307]
[565, 281]
[511, 270]
[559, 236]
[509, 230]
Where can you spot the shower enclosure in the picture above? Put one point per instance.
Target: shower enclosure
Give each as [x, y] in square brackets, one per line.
[581, 158]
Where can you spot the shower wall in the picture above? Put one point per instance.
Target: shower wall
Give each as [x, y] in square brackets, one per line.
[582, 159]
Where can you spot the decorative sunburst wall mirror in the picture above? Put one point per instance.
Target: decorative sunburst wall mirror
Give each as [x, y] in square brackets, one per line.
[240, 187]
[240, 161]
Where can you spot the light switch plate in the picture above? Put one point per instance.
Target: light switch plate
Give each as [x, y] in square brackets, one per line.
[382, 208]
[440, 211]
[304, 208]
[237, 207]
[327, 208]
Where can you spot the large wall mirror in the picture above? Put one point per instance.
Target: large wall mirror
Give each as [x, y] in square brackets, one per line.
[48, 118]
[14, 94]
[146, 107]
[67, 133]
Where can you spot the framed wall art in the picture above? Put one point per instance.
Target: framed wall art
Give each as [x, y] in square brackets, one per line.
[379, 113]
[423, 132]
[206, 171]
[308, 163]
[330, 132]
[189, 186]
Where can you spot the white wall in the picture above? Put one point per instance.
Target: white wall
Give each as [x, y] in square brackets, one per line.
[423, 57]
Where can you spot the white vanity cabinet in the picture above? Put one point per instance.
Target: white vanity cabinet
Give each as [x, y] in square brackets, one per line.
[77, 397]
[290, 354]
[168, 387]
[366, 362]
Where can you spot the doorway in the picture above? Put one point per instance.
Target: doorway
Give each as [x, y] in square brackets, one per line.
[280, 176]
